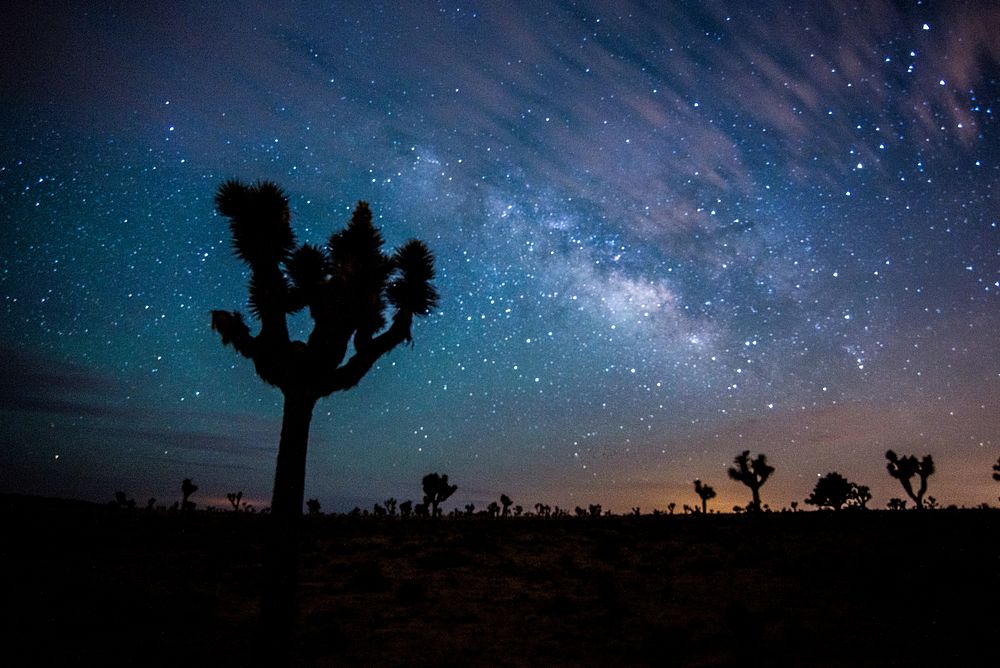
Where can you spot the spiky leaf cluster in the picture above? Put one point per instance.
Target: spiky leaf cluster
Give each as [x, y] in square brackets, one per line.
[412, 290]
[348, 285]
[259, 221]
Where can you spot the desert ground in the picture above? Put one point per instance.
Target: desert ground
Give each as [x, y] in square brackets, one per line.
[86, 584]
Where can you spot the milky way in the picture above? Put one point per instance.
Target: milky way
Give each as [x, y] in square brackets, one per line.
[665, 233]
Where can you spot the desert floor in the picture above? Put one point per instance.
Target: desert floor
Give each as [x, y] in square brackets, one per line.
[90, 585]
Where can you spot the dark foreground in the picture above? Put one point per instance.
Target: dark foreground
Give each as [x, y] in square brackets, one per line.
[85, 585]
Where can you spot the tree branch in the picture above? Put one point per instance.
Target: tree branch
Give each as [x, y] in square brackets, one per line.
[234, 331]
[351, 373]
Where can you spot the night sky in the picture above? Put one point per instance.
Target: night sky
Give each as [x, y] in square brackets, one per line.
[665, 233]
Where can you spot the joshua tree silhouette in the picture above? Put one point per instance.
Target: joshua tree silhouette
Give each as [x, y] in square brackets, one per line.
[506, 502]
[187, 489]
[996, 470]
[436, 490]
[704, 492]
[234, 499]
[904, 468]
[347, 286]
[405, 508]
[313, 506]
[753, 473]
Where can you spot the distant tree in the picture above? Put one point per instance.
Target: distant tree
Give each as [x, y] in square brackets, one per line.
[470, 509]
[860, 496]
[580, 512]
[436, 490]
[150, 504]
[518, 511]
[594, 509]
[795, 505]
[123, 501]
[234, 499]
[543, 510]
[636, 511]
[904, 468]
[896, 504]
[405, 508]
[390, 506]
[753, 473]
[506, 503]
[996, 472]
[313, 506]
[704, 492]
[831, 491]
[671, 507]
[493, 509]
[187, 489]
[347, 285]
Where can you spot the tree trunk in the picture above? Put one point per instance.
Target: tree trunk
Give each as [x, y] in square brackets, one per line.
[756, 498]
[281, 554]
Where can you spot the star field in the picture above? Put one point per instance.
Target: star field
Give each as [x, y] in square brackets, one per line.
[664, 234]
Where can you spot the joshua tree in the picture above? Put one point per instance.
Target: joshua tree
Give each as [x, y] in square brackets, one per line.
[390, 506]
[436, 490]
[493, 509]
[122, 501]
[704, 492]
[313, 506]
[996, 470]
[671, 507]
[506, 503]
[753, 473]
[234, 499]
[896, 504]
[405, 508]
[187, 489]
[904, 468]
[347, 286]
[860, 496]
